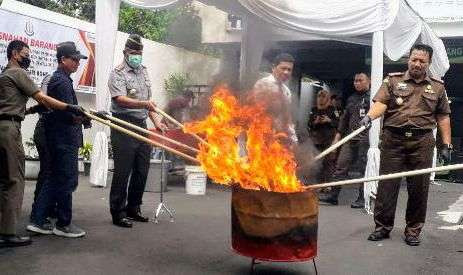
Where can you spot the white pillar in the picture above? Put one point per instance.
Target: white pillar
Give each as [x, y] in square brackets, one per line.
[106, 19]
[252, 46]
[372, 168]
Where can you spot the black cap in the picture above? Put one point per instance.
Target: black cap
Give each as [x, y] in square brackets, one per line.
[68, 49]
[134, 42]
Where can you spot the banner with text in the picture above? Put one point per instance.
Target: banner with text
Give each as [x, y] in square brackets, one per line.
[42, 38]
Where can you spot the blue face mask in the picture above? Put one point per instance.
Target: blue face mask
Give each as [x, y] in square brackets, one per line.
[134, 60]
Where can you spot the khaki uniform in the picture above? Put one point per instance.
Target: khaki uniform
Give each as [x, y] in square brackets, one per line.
[131, 157]
[15, 89]
[407, 143]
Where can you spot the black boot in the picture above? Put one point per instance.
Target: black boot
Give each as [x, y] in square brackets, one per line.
[331, 199]
[135, 215]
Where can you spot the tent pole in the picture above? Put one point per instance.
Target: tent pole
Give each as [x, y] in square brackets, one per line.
[372, 168]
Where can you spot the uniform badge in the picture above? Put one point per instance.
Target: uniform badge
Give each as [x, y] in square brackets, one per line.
[132, 93]
[386, 80]
[401, 86]
[399, 101]
[429, 89]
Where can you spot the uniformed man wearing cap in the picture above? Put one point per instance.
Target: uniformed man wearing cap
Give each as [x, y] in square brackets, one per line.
[412, 103]
[130, 90]
[64, 136]
[16, 87]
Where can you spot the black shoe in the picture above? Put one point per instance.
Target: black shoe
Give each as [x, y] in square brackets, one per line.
[136, 216]
[359, 203]
[378, 236]
[412, 240]
[330, 199]
[123, 222]
[14, 241]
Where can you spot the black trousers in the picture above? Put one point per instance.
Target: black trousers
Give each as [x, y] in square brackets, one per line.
[353, 156]
[131, 163]
[400, 153]
[40, 141]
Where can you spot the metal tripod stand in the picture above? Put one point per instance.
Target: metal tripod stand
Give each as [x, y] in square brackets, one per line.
[162, 207]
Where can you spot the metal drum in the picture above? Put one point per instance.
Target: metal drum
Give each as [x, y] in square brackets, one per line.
[272, 226]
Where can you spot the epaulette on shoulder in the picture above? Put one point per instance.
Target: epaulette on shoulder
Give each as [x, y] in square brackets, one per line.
[437, 80]
[119, 67]
[396, 74]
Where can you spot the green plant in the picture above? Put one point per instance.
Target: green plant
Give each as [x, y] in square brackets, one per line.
[176, 83]
[86, 150]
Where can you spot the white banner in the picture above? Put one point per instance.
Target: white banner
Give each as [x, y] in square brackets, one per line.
[439, 11]
[42, 38]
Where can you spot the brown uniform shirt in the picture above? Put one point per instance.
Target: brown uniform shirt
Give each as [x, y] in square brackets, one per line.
[15, 89]
[410, 104]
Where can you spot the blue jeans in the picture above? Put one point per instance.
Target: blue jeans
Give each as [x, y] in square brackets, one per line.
[64, 160]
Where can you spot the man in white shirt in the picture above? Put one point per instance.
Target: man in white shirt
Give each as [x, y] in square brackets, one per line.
[274, 92]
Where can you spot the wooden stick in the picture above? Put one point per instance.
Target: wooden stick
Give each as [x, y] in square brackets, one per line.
[173, 120]
[145, 131]
[388, 176]
[139, 137]
[339, 143]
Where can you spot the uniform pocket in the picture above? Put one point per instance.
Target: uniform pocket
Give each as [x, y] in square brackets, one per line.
[430, 101]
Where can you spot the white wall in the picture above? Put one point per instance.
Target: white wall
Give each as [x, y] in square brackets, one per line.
[214, 25]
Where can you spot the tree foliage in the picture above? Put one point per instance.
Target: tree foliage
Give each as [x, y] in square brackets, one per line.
[180, 27]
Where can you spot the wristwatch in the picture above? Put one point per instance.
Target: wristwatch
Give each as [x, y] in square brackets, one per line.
[448, 146]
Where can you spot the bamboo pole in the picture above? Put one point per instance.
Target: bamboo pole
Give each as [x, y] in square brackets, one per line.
[145, 131]
[339, 143]
[173, 120]
[388, 176]
[139, 137]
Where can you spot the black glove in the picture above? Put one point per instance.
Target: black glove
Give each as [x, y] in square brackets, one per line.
[87, 122]
[446, 153]
[36, 109]
[75, 109]
[101, 114]
[366, 121]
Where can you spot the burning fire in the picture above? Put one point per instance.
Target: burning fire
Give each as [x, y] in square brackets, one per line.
[268, 163]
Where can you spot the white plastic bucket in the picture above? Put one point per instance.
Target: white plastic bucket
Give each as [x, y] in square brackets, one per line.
[196, 179]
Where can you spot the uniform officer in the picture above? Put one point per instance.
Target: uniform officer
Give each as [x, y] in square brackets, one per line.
[412, 103]
[354, 153]
[322, 125]
[15, 89]
[64, 136]
[130, 90]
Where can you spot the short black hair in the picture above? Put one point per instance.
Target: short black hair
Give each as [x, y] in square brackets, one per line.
[362, 72]
[422, 47]
[15, 45]
[283, 57]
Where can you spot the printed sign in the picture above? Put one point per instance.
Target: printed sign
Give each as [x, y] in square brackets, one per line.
[43, 38]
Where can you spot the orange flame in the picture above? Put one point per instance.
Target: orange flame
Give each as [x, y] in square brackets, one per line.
[268, 164]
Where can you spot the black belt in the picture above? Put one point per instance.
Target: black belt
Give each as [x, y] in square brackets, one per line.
[130, 119]
[408, 132]
[11, 118]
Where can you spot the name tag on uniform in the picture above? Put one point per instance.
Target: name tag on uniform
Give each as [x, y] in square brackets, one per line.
[362, 112]
[401, 86]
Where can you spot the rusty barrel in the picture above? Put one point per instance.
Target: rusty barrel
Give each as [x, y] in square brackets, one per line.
[272, 226]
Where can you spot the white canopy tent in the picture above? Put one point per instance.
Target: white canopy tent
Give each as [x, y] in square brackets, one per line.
[390, 26]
